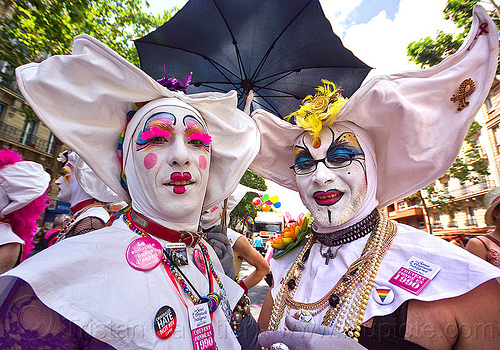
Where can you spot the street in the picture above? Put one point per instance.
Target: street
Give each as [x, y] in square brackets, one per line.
[257, 293]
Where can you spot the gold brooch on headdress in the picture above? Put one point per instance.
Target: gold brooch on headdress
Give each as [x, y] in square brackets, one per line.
[319, 110]
[464, 91]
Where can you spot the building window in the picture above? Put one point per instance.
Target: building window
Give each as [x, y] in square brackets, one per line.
[496, 132]
[402, 205]
[452, 222]
[471, 220]
[488, 103]
[421, 224]
[28, 135]
[436, 217]
[3, 68]
[50, 144]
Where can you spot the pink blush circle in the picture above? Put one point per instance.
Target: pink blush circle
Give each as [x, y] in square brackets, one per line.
[150, 160]
[203, 162]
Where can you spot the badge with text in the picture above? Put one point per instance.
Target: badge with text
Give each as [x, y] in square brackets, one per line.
[383, 295]
[224, 304]
[202, 330]
[144, 253]
[415, 275]
[165, 322]
[304, 316]
[177, 253]
[199, 260]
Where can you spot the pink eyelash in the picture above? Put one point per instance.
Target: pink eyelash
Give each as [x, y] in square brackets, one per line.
[155, 131]
[205, 138]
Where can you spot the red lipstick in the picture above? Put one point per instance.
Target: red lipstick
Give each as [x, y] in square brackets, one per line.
[327, 198]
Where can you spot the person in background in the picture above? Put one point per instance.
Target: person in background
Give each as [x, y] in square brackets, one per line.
[86, 193]
[487, 246]
[243, 251]
[221, 237]
[259, 246]
[23, 188]
[269, 249]
[241, 247]
[43, 240]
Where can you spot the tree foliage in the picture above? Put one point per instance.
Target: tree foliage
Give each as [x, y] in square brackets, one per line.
[38, 29]
[245, 208]
[429, 51]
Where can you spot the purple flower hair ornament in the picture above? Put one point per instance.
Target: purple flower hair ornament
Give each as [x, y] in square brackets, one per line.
[173, 84]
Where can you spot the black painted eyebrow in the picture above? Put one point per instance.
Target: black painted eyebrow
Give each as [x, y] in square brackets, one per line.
[337, 143]
[302, 151]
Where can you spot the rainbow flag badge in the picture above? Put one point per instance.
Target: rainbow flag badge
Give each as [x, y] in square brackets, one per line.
[383, 295]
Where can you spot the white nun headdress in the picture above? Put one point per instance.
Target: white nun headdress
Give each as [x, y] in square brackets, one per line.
[83, 99]
[20, 184]
[417, 119]
[88, 184]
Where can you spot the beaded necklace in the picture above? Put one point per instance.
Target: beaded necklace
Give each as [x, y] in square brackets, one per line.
[213, 299]
[346, 301]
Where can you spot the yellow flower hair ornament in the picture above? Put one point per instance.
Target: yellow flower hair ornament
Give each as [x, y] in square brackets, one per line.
[319, 110]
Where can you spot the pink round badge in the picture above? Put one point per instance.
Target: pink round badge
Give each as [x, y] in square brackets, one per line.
[198, 259]
[144, 253]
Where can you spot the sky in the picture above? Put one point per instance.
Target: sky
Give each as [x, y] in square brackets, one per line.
[377, 32]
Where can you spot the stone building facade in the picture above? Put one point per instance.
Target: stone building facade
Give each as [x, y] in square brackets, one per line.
[22, 132]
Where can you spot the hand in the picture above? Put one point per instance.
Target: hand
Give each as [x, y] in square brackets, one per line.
[307, 336]
[220, 243]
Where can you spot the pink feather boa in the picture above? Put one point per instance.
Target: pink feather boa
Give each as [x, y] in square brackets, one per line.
[23, 221]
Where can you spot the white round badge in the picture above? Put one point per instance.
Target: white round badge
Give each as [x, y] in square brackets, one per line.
[383, 295]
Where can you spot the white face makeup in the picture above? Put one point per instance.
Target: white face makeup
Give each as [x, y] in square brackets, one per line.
[171, 154]
[64, 182]
[331, 178]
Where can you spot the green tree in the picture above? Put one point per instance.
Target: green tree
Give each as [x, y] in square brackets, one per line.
[38, 29]
[426, 52]
[245, 207]
[430, 51]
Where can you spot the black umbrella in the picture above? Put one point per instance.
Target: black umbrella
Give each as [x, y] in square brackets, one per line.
[280, 49]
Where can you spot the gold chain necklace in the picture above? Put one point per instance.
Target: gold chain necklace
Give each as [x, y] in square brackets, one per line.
[347, 299]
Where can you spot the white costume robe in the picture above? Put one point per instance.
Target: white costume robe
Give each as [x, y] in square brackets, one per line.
[88, 280]
[460, 270]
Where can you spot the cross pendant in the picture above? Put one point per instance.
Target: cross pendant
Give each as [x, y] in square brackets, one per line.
[328, 255]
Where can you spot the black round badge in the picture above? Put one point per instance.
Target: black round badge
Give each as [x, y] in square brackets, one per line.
[165, 322]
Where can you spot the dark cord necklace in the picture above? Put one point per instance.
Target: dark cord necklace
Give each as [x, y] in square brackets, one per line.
[349, 234]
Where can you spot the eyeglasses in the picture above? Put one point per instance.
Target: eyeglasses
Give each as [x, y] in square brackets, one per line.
[334, 161]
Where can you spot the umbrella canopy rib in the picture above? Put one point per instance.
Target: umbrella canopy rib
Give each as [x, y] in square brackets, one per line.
[268, 52]
[219, 67]
[235, 43]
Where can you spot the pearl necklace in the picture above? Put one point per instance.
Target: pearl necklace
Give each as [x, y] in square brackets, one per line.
[347, 299]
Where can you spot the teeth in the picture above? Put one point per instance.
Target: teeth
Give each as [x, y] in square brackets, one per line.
[180, 183]
[330, 196]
